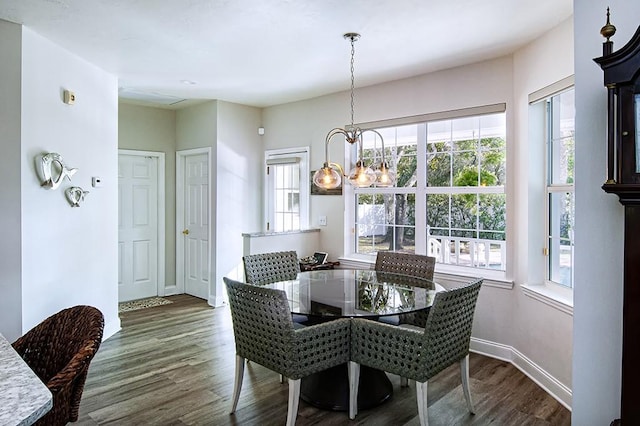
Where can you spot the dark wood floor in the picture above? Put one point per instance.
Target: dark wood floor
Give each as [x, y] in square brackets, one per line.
[174, 365]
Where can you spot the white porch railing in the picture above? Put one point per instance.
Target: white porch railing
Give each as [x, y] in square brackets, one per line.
[472, 252]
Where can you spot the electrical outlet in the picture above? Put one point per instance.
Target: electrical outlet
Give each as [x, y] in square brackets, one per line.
[322, 220]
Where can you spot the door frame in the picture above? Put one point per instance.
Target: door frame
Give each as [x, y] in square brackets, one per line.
[180, 221]
[160, 210]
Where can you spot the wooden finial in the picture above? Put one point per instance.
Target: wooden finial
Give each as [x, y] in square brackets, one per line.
[608, 30]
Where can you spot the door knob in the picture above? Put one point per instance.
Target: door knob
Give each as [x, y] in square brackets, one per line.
[185, 232]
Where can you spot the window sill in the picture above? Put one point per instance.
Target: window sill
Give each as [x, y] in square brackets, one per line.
[504, 284]
[357, 262]
[491, 278]
[551, 294]
[272, 233]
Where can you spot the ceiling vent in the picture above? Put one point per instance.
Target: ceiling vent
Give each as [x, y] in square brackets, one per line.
[148, 97]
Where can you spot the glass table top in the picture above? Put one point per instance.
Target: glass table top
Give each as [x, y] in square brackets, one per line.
[356, 293]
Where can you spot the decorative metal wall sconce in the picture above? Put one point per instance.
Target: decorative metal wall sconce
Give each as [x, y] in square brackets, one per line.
[53, 170]
[75, 195]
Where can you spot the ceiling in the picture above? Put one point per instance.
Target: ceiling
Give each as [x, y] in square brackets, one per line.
[267, 52]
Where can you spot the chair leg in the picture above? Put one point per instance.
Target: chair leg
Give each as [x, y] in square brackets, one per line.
[421, 396]
[237, 384]
[354, 381]
[404, 382]
[294, 398]
[464, 373]
[281, 379]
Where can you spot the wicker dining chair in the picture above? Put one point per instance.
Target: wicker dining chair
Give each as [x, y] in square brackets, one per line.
[405, 263]
[418, 354]
[265, 334]
[415, 265]
[266, 268]
[59, 351]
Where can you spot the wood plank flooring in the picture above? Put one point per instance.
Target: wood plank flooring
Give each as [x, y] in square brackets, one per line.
[174, 365]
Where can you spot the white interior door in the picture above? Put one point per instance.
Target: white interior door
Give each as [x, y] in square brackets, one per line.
[138, 227]
[196, 225]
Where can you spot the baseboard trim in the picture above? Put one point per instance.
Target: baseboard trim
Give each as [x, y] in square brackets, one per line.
[171, 290]
[546, 381]
[216, 302]
[111, 328]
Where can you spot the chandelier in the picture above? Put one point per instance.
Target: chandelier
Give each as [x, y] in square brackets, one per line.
[362, 176]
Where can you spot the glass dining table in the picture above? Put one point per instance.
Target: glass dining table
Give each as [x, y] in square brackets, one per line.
[324, 295]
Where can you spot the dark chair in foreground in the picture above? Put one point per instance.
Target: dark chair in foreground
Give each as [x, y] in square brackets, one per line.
[418, 354]
[265, 334]
[266, 268]
[59, 351]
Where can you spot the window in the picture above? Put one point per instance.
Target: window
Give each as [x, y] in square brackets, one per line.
[560, 200]
[287, 190]
[449, 199]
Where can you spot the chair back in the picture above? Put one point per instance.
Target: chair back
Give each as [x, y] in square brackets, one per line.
[59, 351]
[405, 263]
[265, 268]
[262, 324]
[448, 329]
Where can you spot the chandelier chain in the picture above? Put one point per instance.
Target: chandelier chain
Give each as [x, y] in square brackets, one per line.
[353, 51]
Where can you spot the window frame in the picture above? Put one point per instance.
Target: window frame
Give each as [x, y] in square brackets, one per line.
[299, 155]
[551, 188]
[422, 191]
[536, 286]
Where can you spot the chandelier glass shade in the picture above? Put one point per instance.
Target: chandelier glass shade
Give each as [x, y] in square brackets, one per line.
[361, 176]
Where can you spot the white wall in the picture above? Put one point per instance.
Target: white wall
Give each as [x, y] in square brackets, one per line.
[10, 200]
[599, 252]
[69, 255]
[240, 157]
[542, 333]
[154, 129]
[196, 126]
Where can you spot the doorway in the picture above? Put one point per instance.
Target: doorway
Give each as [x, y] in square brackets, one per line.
[141, 222]
[193, 219]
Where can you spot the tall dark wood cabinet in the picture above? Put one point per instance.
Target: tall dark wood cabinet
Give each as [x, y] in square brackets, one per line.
[622, 80]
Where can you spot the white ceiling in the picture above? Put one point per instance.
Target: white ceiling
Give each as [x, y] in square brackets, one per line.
[266, 52]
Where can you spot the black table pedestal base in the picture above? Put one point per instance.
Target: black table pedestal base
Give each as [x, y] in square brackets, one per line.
[329, 389]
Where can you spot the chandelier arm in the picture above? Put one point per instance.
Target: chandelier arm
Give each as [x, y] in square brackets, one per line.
[381, 140]
[339, 167]
[330, 135]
